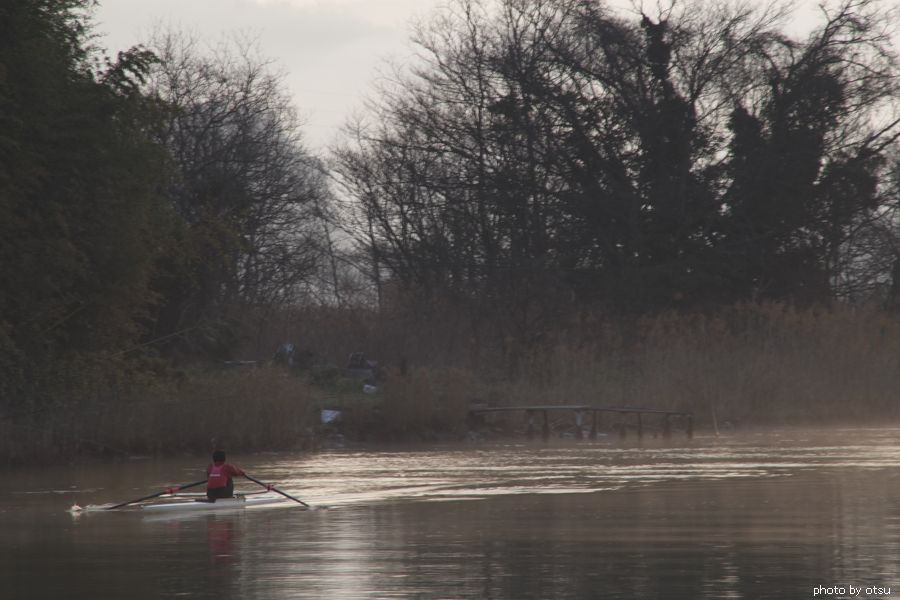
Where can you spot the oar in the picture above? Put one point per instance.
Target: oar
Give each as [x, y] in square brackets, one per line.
[170, 490]
[275, 489]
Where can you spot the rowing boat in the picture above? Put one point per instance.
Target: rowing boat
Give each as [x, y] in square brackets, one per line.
[188, 503]
[200, 504]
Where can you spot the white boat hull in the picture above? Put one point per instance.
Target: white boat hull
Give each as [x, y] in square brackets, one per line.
[237, 503]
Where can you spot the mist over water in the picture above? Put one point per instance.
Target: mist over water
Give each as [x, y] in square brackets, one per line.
[769, 515]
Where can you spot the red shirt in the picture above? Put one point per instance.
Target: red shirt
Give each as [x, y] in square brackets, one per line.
[218, 474]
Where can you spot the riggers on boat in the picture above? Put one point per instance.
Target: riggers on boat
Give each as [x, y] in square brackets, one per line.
[239, 501]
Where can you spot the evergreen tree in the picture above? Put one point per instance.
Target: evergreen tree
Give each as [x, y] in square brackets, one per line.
[80, 220]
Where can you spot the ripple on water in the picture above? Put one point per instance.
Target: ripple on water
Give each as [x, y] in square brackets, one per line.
[339, 477]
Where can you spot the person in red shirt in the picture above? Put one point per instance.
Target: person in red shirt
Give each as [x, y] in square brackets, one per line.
[219, 482]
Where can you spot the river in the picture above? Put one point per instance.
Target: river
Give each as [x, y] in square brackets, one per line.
[791, 514]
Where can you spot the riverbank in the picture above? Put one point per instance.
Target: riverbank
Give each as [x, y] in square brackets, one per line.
[254, 410]
[743, 367]
[754, 366]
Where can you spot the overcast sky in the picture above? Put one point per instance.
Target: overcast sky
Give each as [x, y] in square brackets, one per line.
[331, 50]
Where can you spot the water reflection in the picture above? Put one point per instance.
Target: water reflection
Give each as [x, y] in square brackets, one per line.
[755, 517]
[220, 536]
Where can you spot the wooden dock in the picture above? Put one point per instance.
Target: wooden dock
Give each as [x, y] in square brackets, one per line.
[595, 414]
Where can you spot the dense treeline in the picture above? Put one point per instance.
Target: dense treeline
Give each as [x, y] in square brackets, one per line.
[245, 195]
[548, 150]
[543, 165]
[80, 213]
[143, 201]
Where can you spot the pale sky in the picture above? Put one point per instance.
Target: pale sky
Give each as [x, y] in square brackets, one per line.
[331, 50]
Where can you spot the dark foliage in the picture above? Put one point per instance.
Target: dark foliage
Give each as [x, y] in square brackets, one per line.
[244, 191]
[79, 216]
[551, 153]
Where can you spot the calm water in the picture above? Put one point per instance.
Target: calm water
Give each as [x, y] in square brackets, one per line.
[749, 516]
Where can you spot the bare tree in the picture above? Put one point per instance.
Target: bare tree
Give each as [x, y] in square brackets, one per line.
[247, 194]
[548, 149]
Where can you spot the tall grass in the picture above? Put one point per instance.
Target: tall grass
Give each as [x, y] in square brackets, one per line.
[261, 409]
[427, 400]
[763, 364]
[750, 364]
[753, 364]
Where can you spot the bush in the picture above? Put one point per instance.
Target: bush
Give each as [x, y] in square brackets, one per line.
[261, 409]
[426, 401]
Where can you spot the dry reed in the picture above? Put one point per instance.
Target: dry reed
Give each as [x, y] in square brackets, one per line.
[260, 409]
[752, 364]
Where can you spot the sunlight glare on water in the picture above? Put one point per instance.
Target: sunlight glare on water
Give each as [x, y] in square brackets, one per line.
[768, 515]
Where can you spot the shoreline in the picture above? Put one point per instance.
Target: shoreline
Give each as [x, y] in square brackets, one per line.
[702, 437]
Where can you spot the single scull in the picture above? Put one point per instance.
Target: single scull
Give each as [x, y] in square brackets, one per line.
[240, 500]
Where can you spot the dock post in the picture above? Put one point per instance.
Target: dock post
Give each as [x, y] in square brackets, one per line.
[623, 428]
[579, 422]
[529, 416]
[667, 427]
[640, 427]
[545, 433]
[690, 427]
[594, 424]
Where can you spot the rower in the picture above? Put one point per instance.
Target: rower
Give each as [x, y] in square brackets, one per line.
[219, 482]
